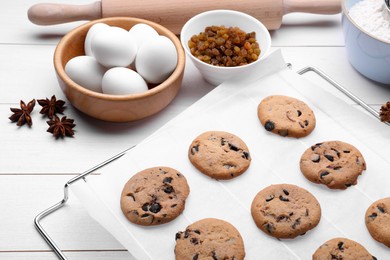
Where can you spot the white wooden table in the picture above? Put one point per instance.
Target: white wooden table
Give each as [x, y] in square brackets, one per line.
[34, 166]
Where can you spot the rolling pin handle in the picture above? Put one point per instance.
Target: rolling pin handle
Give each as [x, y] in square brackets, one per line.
[48, 14]
[312, 6]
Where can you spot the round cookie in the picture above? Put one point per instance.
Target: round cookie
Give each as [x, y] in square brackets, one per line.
[154, 196]
[209, 238]
[219, 155]
[334, 163]
[378, 220]
[286, 116]
[285, 211]
[342, 248]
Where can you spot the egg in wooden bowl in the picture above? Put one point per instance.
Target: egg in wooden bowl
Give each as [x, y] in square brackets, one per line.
[122, 95]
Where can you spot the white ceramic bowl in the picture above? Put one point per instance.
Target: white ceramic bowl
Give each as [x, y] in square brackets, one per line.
[215, 74]
[367, 54]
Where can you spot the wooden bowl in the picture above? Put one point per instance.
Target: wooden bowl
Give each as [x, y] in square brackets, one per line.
[116, 108]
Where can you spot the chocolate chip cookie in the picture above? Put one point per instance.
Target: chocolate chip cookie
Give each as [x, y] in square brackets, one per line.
[378, 220]
[285, 211]
[154, 196]
[286, 116]
[342, 248]
[334, 163]
[219, 155]
[209, 238]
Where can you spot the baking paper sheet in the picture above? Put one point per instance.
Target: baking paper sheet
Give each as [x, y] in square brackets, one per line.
[232, 107]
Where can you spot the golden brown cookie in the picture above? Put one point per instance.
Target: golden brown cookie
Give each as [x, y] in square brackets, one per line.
[378, 220]
[334, 163]
[286, 116]
[209, 238]
[285, 211]
[342, 248]
[219, 155]
[154, 196]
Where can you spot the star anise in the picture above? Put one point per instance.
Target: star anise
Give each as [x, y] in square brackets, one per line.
[385, 112]
[52, 106]
[61, 127]
[22, 115]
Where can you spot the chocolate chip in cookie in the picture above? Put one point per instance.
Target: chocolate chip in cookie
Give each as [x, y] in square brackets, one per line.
[154, 196]
[209, 238]
[286, 116]
[219, 155]
[285, 211]
[335, 164]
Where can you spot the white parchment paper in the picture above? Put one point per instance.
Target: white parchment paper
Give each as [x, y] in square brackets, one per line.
[232, 107]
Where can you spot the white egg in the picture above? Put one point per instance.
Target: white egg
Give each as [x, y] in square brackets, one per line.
[114, 47]
[123, 81]
[91, 32]
[86, 71]
[142, 32]
[156, 59]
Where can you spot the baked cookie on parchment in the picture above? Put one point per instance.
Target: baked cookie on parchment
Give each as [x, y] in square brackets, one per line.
[286, 116]
[219, 155]
[333, 163]
[285, 211]
[154, 196]
[378, 220]
[209, 238]
[342, 248]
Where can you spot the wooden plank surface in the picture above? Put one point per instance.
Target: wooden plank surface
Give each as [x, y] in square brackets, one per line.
[34, 166]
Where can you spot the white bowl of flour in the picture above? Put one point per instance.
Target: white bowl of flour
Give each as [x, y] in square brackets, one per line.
[366, 27]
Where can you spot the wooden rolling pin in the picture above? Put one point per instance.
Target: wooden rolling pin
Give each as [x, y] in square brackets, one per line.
[174, 13]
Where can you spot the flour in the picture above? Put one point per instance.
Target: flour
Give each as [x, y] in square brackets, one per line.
[373, 17]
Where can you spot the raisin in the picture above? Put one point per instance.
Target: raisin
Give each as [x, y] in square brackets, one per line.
[299, 113]
[296, 223]
[269, 227]
[269, 125]
[214, 255]
[194, 241]
[329, 157]
[194, 149]
[381, 209]
[173, 205]
[346, 151]
[286, 192]
[233, 147]
[195, 257]
[155, 207]
[245, 155]
[168, 189]
[145, 215]
[167, 180]
[306, 122]
[373, 216]
[340, 245]
[323, 174]
[197, 231]
[186, 234]
[313, 147]
[145, 207]
[178, 235]
[270, 197]
[283, 198]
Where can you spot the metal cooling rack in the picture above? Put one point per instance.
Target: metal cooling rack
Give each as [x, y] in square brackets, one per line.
[82, 176]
